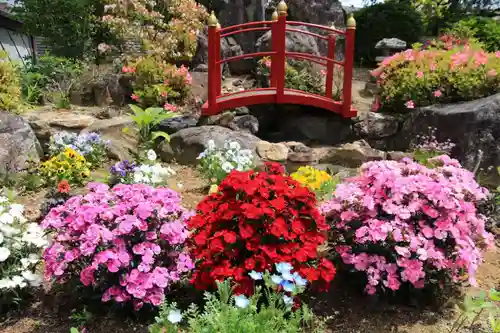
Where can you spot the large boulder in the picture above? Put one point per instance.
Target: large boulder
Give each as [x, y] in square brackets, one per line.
[186, 145]
[229, 48]
[351, 155]
[472, 126]
[18, 143]
[295, 42]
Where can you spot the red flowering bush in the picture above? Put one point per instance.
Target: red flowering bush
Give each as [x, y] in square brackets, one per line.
[255, 220]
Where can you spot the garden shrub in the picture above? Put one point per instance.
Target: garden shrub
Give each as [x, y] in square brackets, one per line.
[217, 163]
[10, 88]
[403, 223]
[48, 77]
[89, 145]
[485, 29]
[255, 220]
[171, 30]
[126, 242]
[20, 246]
[422, 77]
[225, 312]
[318, 181]
[67, 165]
[385, 20]
[158, 83]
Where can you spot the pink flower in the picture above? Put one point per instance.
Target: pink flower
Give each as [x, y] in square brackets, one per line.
[267, 63]
[410, 104]
[420, 74]
[189, 78]
[135, 97]
[438, 93]
[170, 107]
[166, 82]
[492, 73]
[497, 54]
[163, 94]
[323, 72]
[433, 67]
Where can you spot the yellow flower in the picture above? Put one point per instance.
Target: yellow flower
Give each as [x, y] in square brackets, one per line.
[68, 152]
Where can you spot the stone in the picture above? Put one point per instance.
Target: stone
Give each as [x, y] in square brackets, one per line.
[221, 119]
[391, 43]
[376, 125]
[121, 134]
[108, 112]
[295, 42]
[18, 143]
[229, 48]
[247, 123]
[398, 155]
[471, 126]
[309, 125]
[241, 111]
[199, 85]
[174, 125]
[350, 155]
[186, 145]
[275, 152]
[306, 157]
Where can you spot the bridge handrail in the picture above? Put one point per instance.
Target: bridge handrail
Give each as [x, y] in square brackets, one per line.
[246, 55]
[244, 25]
[313, 57]
[227, 34]
[305, 32]
[318, 26]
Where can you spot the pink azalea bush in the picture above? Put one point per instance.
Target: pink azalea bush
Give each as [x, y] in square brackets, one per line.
[416, 77]
[127, 242]
[401, 222]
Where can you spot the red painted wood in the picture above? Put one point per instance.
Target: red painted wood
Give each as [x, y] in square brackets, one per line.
[277, 93]
[245, 30]
[244, 25]
[212, 70]
[312, 25]
[305, 32]
[280, 63]
[218, 69]
[245, 56]
[330, 66]
[348, 68]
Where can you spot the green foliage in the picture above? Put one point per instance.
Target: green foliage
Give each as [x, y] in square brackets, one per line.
[385, 20]
[146, 120]
[28, 180]
[68, 27]
[486, 30]
[50, 78]
[474, 307]
[10, 89]
[416, 78]
[221, 315]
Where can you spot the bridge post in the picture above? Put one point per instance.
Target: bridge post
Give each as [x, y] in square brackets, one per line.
[214, 73]
[274, 60]
[348, 67]
[330, 66]
[279, 40]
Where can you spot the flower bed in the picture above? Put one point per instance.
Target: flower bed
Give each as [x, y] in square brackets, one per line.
[401, 222]
[416, 78]
[89, 145]
[126, 242]
[255, 220]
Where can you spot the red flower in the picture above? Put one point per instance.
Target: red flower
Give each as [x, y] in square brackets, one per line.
[255, 220]
[63, 186]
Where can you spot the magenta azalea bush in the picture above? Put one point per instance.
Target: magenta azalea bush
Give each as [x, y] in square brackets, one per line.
[401, 222]
[127, 242]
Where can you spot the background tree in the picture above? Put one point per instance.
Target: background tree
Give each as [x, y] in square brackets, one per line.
[69, 27]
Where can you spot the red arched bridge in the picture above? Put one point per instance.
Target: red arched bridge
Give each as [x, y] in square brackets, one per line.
[277, 93]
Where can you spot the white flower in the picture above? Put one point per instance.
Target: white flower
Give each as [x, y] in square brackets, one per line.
[1, 238]
[6, 218]
[276, 279]
[3, 199]
[34, 234]
[288, 300]
[283, 267]
[19, 281]
[138, 177]
[6, 284]
[234, 145]
[151, 155]
[210, 145]
[4, 254]
[8, 230]
[174, 316]
[17, 210]
[180, 185]
[299, 280]
[241, 301]
[227, 167]
[255, 275]
[33, 279]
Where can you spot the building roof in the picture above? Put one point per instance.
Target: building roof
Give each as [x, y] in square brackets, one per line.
[6, 19]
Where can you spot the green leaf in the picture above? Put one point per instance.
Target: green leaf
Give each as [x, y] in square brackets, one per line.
[160, 134]
[74, 330]
[494, 295]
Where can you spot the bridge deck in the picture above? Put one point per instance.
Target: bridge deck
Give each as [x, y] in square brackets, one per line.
[269, 96]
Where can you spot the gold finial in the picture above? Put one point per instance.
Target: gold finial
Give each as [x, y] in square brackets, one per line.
[212, 20]
[351, 22]
[275, 16]
[282, 8]
[218, 25]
